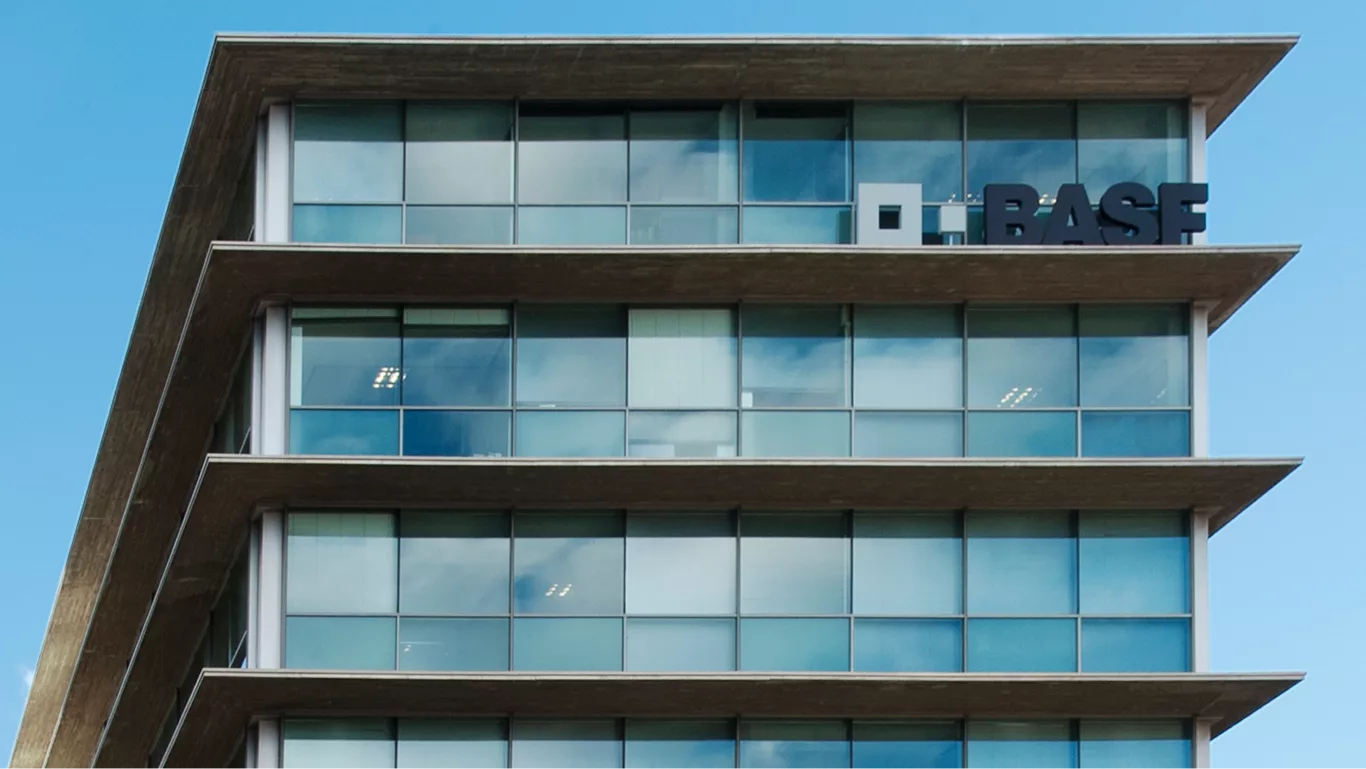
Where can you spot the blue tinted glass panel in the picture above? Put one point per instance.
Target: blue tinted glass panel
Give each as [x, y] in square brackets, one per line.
[908, 357]
[675, 434]
[1118, 744]
[339, 643]
[788, 744]
[682, 357]
[358, 433]
[907, 563]
[569, 744]
[571, 153]
[1134, 562]
[671, 645]
[796, 152]
[342, 563]
[457, 356]
[467, 742]
[665, 551]
[680, 743]
[452, 644]
[1022, 645]
[458, 153]
[684, 153]
[911, 143]
[908, 434]
[338, 742]
[1142, 142]
[568, 563]
[344, 358]
[454, 563]
[1135, 355]
[569, 355]
[798, 225]
[571, 434]
[1021, 563]
[692, 225]
[795, 356]
[1135, 645]
[457, 433]
[795, 433]
[902, 744]
[348, 153]
[1024, 143]
[1021, 744]
[458, 225]
[571, 225]
[794, 644]
[563, 643]
[1135, 434]
[794, 563]
[908, 645]
[1021, 357]
[348, 224]
[1022, 434]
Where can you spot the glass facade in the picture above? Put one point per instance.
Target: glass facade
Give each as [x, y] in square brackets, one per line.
[810, 380]
[914, 591]
[763, 172]
[527, 742]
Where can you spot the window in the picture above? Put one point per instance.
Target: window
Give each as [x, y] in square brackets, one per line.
[458, 152]
[795, 356]
[684, 153]
[571, 356]
[571, 153]
[796, 152]
[682, 358]
[1142, 142]
[1021, 744]
[908, 356]
[794, 744]
[569, 563]
[338, 742]
[467, 742]
[911, 143]
[793, 563]
[348, 153]
[1030, 143]
[680, 743]
[588, 744]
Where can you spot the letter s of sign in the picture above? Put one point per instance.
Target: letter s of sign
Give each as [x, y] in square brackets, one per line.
[1006, 226]
[1127, 223]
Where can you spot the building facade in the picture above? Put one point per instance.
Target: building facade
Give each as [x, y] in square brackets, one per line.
[670, 402]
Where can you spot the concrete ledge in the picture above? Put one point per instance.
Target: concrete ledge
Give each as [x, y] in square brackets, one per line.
[225, 701]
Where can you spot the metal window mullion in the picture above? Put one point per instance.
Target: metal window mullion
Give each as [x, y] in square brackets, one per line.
[963, 318]
[403, 229]
[1075, 516]
[963, 568]
[626, 139]
[963, 123]
[740, 190]
[516, 191]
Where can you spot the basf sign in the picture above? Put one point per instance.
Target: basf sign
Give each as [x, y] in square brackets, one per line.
[1129, 215]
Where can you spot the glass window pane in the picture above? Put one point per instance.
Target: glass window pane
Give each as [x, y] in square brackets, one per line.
[1119, 744]
[1021, 357]
[695, 225]
[781, 644]
[796, 151]
[908, 434]
[1135, 434]
[911, 143]
[1134, 562]
[348, 153]
[795, 356]
[457, 433]
[795, 433]
[667, 744]
[568, 563]
[454, 563]
[571, 434]
[452, 644]
[682, 358]
[350, 432]
[907, 563]
[570, 355]
[1022, 434]
[345, 563]
[338, 742]
[680, 563]
[797, 225]
[1021, 744]
[459, 153]
[1025, 143]
[675, 645]
[1135, 645]
[1135, 355]
[788, 744]
[908, 744]
[908, 357]
[684, 153]
[458, 225]
[571, 226]
[1021, 563]
[348, 224]
[1142, 142]
[566, 744]
[671, 434]
[908, 645]
[1022, 645]
[345, 361]
[571, 154]
[339, 643]
[460, 356]
[794, 563]
[565, 643]
[467, 742]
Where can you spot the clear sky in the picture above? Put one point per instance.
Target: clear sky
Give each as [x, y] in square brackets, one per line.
[98, 97]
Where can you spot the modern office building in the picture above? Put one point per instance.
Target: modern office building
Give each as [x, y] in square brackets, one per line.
[670, 402]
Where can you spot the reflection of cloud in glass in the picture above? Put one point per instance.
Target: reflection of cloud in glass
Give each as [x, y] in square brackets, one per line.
[794, 371]
[921, 373]
[1135, 371]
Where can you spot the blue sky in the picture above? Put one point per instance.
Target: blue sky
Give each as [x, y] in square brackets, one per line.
[99, 97]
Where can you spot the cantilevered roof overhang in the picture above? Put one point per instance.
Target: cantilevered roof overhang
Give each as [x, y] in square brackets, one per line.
[225, 700]
[140, 476]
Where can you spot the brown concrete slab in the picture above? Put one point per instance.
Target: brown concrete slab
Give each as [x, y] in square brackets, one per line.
[232, 488]
[225, 701]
